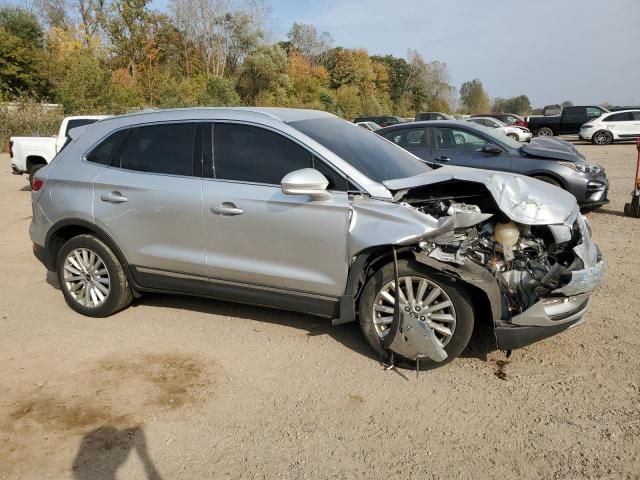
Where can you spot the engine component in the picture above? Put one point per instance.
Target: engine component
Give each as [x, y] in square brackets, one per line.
[507, 235]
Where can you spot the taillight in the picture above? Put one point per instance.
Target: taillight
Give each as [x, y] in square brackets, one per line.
[10, 149]
[36, 184]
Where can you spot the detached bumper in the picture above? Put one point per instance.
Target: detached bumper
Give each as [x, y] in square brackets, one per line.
[564, 309]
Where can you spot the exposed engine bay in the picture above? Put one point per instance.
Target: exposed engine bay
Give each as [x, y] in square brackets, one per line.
[528, 262]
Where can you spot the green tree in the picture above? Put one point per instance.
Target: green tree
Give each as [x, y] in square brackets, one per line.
[519, 105]
[21, 54]
[473, 97]
[85, 87]
[127, 25]
[263, 76]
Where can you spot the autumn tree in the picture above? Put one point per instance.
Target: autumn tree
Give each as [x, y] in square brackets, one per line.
[473, 97]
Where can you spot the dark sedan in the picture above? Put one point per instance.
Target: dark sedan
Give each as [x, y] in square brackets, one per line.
[469, 145]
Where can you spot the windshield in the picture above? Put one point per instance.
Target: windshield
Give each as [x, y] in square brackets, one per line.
[366, 151]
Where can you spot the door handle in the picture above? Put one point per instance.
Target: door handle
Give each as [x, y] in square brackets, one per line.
[113, 197]
[226, 209]
[442, 159]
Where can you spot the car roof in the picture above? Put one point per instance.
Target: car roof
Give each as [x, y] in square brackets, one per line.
[623, 111]
[435, 123]
[285, 115]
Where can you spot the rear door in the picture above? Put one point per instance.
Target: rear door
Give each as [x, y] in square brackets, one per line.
[461, 146]
[623, 124]
[412, 139]
[149, 199]
[572, 119]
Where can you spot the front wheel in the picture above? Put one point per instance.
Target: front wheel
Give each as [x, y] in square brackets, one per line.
[92, 279]
[434, 298]
[514, 136]
[549, 180]
[602, 137]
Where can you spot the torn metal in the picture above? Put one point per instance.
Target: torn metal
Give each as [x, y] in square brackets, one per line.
[521, 243]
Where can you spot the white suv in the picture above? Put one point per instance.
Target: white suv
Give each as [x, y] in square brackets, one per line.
[612, 127]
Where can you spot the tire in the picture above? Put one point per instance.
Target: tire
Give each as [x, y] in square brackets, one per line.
[113, 279]
[549, 180]
[544, 132]
[602, 137]
[514, 136]
[32, 172]
[461, 308]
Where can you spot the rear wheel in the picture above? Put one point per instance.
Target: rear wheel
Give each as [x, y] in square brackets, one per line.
[92, 279]
[435, 299]
[602, 137]
[544, 132]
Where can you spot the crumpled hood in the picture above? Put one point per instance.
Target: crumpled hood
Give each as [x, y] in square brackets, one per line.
[524, 200]
[554, 148]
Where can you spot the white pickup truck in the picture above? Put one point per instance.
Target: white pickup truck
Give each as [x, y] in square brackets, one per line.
[30, 154]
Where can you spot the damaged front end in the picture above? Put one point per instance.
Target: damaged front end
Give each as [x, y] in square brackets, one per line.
[536, 263]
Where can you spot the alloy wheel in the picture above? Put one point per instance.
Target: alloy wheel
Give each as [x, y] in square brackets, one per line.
[86, 277]
[420, 298]
[601, 138]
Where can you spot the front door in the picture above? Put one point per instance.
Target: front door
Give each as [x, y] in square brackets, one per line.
[459, 146]
[258, 237]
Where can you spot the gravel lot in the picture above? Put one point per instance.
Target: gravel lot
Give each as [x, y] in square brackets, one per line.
[178, 387]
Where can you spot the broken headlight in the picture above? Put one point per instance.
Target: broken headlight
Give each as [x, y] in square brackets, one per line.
[582, 167]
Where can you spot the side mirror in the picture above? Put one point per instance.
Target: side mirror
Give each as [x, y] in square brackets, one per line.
[491, 148]
[306, 181]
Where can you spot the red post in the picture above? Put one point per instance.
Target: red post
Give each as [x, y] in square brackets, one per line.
[636, 182]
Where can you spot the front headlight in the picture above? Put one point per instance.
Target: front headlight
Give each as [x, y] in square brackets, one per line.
[582, 167]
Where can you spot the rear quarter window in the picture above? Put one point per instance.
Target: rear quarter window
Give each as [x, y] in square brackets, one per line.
[107, 151]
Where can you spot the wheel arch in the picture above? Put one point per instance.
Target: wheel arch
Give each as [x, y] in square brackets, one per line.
[33, 160]
[64, 230]
[549, 174]
[486, 304]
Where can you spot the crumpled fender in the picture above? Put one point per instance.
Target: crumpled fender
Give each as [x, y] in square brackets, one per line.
[472, 274]
[524, 200]
[375, 223]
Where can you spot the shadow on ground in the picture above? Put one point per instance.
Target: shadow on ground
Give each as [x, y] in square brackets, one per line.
[104, 450]
[482, 342]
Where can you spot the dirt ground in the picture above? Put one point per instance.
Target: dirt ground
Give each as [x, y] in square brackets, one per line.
[178, 387]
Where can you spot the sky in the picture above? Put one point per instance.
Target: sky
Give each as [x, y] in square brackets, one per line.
[585, 51]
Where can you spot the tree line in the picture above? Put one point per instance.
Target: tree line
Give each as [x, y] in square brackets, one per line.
[114, 56]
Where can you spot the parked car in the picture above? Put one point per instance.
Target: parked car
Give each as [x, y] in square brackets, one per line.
[433, 116]
[383, 121]
[568, 122]
[519, 134]
[301, 210]
[612, 127]
[469, 145]
[507, 118]
[29, 154]
[371, 126]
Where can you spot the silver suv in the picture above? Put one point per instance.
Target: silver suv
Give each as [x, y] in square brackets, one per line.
[303, 211]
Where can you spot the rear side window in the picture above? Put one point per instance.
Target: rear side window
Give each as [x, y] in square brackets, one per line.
[407, 137]
[255, 155]
[619, 117]
[166, 149]
[107, 150]
[636, 115]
